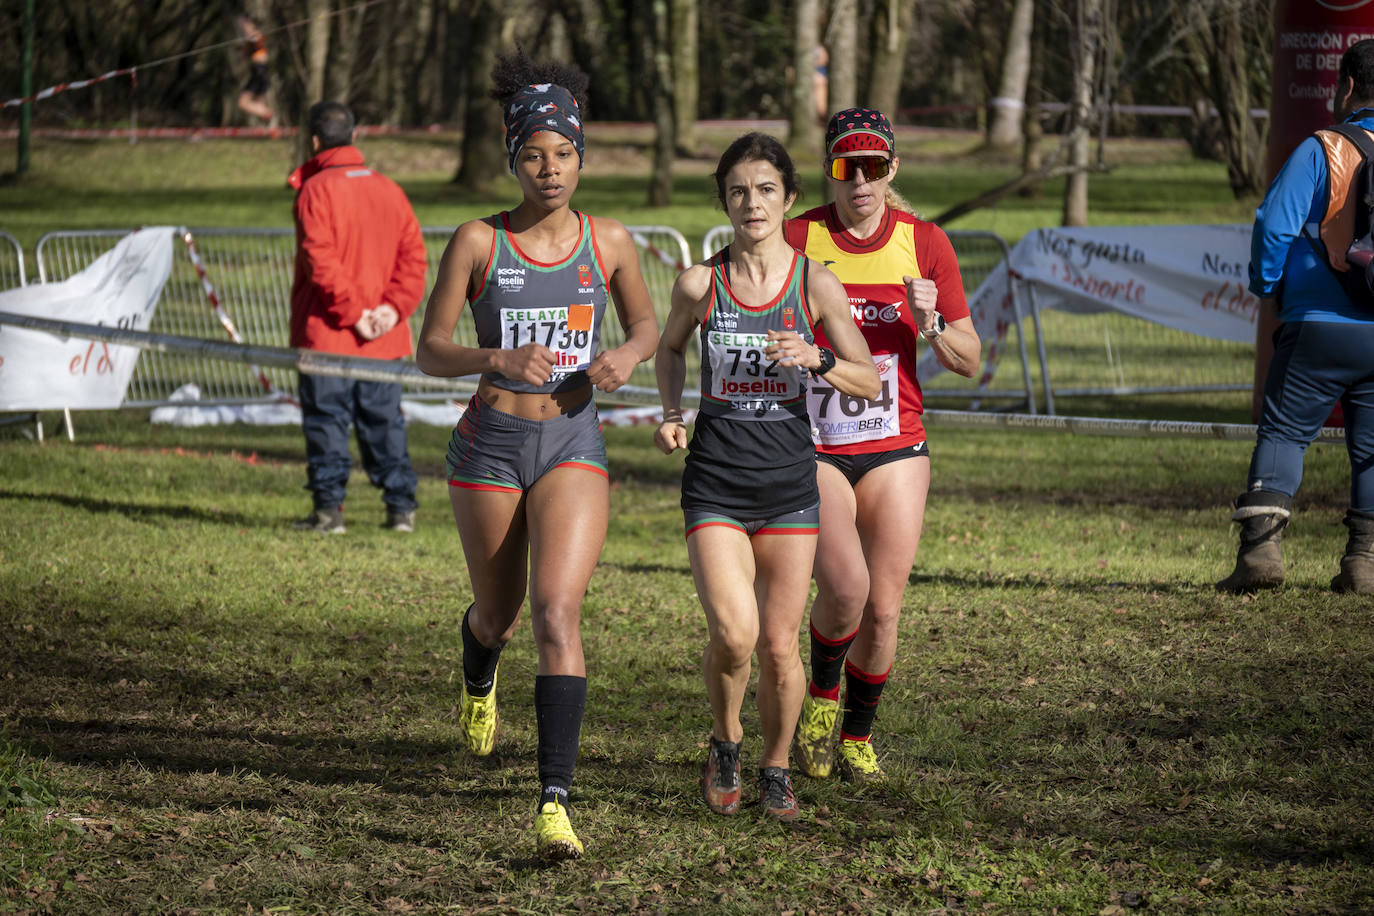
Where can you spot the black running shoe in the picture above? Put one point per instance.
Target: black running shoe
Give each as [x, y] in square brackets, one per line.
[720, 777]
[776, 795]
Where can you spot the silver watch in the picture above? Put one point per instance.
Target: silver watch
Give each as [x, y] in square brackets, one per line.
[937, 330]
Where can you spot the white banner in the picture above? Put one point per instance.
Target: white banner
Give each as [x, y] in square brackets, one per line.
[39, 371]
[1191, 278]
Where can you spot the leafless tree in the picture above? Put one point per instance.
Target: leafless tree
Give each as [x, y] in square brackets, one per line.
[685, 50]
[1087, 34]
[892, 23]
[804, 127]
[1004, 129]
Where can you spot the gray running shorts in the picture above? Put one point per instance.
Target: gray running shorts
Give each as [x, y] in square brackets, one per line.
[492, 450]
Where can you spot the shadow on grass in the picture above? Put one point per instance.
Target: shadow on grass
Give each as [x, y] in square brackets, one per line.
[1016, 772]
[143, 511]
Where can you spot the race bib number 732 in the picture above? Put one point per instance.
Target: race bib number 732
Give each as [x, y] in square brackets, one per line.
[741, 373]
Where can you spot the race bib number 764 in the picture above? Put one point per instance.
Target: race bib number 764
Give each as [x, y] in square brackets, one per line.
[841, 419]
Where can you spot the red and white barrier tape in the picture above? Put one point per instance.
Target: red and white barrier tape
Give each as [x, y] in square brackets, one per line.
[657, 252]
[64, 87]
[202, 133]
[81, 84]
[225, 321]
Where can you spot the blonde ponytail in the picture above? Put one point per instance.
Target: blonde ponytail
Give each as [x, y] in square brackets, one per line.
[898, 202]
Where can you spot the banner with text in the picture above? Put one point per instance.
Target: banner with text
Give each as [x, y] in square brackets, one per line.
[1191, 278]
[40, 371]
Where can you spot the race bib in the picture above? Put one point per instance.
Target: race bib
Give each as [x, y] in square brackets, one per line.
[841, 419]
[566, 330]
[741, 374]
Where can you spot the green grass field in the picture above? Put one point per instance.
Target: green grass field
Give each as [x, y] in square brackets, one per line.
[206, 712]
[202, 711]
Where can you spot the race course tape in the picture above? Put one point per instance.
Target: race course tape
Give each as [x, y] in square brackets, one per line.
[311, 362]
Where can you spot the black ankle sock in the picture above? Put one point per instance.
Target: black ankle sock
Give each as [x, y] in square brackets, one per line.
[559, 701]
[861, 694]
[827, 662]
[479, 662]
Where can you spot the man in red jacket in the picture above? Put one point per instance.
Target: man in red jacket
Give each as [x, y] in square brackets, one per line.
[360, 274]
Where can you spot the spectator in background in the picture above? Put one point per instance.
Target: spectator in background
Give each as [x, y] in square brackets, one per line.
[820, 82]
[360, 274]
[253, 98]
[1323, 347]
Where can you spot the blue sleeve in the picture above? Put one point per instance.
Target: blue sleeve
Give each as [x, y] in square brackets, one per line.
[1297, 196]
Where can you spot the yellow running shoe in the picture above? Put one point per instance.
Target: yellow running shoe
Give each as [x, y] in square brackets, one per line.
[858, 762]
[554, 834]
[812, 749]
[478, 718]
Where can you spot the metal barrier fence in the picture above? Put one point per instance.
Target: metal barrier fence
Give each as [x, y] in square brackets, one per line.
[1106, 354]
[251, 270]
[978, 253]
[11, 261]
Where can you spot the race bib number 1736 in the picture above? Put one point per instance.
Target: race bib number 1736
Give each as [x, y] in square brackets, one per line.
[566, 330]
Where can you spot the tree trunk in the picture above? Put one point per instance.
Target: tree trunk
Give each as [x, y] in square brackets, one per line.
[804, 127]
[891, 31]
[683, 38]
[1032, 128]
[843, 45]
[1218, 57]
[316, 67]
[1005, 122]
[660, 56]
[1087, 29]
[484, 152]
[346, 56]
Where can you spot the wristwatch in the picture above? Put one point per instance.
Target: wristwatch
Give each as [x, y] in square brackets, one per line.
[937, 330]
[827, 362]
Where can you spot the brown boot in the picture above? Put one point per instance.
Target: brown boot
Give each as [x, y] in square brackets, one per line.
[1357, 566]
[1259, 562]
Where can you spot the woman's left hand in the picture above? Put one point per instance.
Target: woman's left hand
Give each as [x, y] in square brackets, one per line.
[610, 369]
[788, 348]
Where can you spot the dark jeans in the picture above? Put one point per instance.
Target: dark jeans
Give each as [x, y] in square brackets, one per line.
[328, 406]
[1316, 364]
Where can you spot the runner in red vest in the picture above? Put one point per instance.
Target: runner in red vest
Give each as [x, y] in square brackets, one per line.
[873, 465]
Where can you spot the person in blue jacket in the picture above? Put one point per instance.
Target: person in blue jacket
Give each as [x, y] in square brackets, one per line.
[1323, 347]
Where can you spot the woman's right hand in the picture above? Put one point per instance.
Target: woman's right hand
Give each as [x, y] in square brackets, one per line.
[532, 363]
[671, 435]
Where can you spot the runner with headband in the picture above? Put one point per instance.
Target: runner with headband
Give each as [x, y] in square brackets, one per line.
[527, 464]
[873, 466]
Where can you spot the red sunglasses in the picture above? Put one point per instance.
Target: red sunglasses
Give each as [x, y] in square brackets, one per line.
[874, 167]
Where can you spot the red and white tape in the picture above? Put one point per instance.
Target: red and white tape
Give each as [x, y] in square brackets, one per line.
[225, 321]
[657, 252]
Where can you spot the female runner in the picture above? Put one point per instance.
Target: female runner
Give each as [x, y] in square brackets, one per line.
[527, 463]
[873, 466]
[749, 484]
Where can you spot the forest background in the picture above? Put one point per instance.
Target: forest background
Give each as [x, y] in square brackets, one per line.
[1015, 69]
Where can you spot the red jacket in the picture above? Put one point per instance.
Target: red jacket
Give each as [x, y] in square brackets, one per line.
[358, 245]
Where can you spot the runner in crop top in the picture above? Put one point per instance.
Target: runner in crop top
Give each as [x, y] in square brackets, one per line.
[527, 464]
